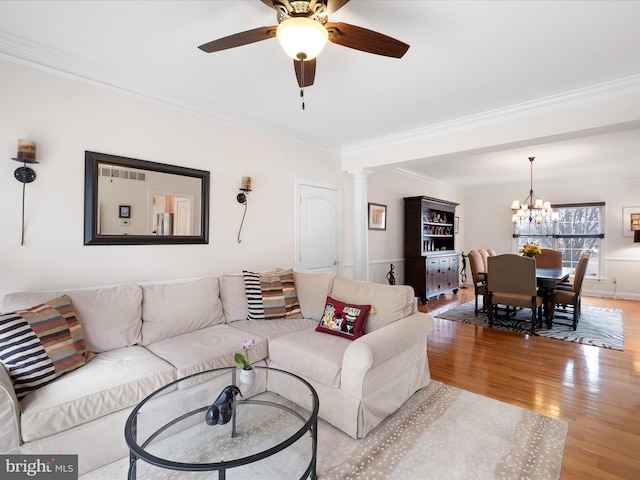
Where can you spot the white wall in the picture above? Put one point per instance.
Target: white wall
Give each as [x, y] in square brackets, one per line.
[66, 117]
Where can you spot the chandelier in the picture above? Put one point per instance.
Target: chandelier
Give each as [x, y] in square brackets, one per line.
[533, 209]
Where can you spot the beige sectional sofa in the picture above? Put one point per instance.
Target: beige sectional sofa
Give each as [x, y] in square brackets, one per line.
[145, 336]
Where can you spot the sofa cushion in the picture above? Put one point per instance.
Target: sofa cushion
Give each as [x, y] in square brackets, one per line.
[390, 302]
[211, 347]
[271, 295]
[110, 316]
[311, 354]
[36, 347]
[170, 309]
[234, 297]
[312, 289]
[110, 382]
[343, 319]
[274, 328]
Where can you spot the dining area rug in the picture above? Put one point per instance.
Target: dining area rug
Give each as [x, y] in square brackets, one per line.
[597, 326]
[441, 432]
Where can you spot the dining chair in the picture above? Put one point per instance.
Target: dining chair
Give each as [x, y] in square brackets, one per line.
[478, 278]
[569, 300]
[511, 281]
[483, 253]
[491, 252]
[568, 283]
[549, 258]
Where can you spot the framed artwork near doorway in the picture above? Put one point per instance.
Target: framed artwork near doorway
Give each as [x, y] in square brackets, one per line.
[626, 220]
[377, 216]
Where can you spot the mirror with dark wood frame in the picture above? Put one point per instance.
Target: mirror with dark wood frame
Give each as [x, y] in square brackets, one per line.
[137, 202]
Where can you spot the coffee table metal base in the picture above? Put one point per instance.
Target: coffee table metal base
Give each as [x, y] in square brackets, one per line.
[138, 451]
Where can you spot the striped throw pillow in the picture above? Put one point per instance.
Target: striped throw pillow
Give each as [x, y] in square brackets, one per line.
[36, 347]
[271, 295]
[63, 306]
[291, 302]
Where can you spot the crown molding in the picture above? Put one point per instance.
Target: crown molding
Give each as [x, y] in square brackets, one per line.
[408, 173]
[567, 101]
[44, 58]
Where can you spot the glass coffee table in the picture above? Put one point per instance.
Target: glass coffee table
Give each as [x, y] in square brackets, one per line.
[266, 436]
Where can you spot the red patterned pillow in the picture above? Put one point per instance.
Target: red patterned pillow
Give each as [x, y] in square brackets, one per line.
[343, 319]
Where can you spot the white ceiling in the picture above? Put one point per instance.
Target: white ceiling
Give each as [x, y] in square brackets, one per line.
[466, 58]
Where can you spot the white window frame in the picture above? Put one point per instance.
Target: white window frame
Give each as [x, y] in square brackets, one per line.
[572, 236]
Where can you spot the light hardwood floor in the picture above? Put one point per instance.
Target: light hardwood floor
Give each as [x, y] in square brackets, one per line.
[596, 390]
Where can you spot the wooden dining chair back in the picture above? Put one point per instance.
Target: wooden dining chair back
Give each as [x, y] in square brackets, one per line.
[511, 281]
[477, 275]
[549, 258]
[570, 298]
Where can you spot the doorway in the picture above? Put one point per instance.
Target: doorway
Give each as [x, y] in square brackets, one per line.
[319, 227]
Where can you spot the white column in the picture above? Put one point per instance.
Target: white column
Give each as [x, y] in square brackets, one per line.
[360, 230]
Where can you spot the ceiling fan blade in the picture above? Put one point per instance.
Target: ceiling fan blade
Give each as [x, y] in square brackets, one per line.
[309, 72]
[335, 5]
[239, 39]
[269, 3]
[365, 40]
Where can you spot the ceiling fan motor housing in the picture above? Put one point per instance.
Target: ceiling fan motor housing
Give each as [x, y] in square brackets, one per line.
[314, 10]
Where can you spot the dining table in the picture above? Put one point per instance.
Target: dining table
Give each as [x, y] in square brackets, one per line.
[548, 278]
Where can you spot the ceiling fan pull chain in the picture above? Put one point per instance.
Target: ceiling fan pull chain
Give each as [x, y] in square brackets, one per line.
[302, 75]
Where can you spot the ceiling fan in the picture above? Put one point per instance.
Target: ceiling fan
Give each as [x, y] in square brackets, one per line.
[303, 29]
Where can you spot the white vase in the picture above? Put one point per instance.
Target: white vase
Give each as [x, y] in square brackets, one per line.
[247, 376]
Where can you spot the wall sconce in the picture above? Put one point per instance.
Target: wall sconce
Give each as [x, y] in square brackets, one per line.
[245, 188]
[635, 226]
[24, 174]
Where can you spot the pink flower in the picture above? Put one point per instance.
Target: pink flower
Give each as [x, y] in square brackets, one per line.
[241, 360]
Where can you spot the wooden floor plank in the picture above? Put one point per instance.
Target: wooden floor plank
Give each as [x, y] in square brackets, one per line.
[596, 390]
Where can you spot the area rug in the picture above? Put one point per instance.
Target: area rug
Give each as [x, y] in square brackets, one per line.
[601, 327]
[441, 432]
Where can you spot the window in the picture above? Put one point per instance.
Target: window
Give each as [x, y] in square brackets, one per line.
[580, 228]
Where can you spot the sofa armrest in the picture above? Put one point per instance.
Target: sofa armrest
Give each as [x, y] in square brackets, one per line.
[9, 414]
[379, 346]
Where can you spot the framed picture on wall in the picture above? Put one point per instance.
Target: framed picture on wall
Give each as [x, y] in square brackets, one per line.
[626, 220]
[125, 211]
[377, 216]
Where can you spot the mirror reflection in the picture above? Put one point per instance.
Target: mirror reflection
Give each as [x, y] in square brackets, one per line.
[159, 203]
[130, 201]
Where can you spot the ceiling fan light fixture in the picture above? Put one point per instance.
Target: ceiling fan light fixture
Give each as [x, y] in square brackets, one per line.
[302, 38]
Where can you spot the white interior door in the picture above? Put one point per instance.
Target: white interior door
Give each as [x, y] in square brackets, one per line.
[319, 227]
[181, 205]
[183, 213]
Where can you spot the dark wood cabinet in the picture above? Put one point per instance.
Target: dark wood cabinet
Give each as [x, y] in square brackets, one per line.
[431, 263]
